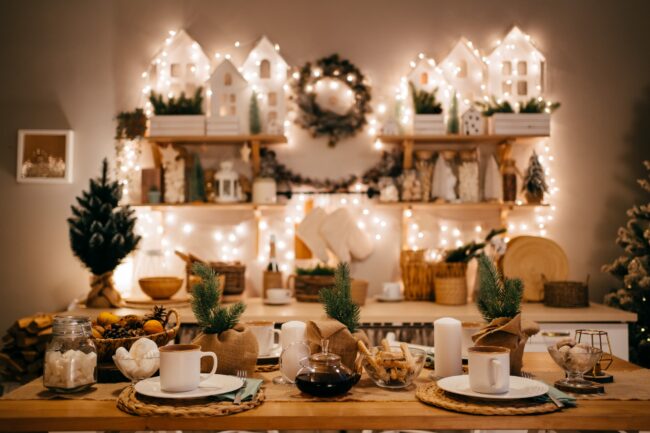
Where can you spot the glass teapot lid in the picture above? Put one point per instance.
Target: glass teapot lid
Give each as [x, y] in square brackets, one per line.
[326, 361]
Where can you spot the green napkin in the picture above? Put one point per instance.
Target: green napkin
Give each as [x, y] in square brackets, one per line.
[252, 386]
[562, 396]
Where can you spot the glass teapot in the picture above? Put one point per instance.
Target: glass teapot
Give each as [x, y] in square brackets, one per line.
[323, 375]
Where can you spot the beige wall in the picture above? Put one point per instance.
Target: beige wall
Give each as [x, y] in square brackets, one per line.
[76, 63]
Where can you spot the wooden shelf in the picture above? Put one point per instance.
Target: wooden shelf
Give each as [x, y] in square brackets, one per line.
[212, 206]
[457, 139]
[263, 139]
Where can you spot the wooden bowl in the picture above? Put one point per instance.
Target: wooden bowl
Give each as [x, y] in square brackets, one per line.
[160, 287]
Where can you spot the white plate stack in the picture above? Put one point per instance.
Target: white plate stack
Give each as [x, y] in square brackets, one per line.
[223, 125]
[520, 123]
[165, 125]
[428, 124]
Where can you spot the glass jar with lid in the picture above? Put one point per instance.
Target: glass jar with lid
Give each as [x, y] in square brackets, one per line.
[323, 374]
[71, 355]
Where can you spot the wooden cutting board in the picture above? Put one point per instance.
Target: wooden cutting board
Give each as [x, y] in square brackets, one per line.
[529, 258]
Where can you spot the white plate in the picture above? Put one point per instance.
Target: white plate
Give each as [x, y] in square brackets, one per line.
[382, 298]
[519, 388]
[217, 384]
[275, 353]
[277, 301]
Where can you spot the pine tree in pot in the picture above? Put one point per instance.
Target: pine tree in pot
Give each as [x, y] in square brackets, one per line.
[234, 344]
[499, 301]
[342, 327]
[534, 181]
[101, 235]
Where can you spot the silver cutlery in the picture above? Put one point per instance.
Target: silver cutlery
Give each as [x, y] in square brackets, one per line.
[242, 375]
[555, 401]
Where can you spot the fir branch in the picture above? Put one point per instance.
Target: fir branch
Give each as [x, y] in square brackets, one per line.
[425, 102]
[180, 105]
[498, 296]
[206, 303]
[337, 300]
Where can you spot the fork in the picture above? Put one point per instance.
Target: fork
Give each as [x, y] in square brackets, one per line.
[242, 375]
[555, 401]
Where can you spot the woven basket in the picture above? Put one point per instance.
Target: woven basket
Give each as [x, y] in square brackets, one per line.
[417, 275]
[271, 280]
[566, 294]
[307, 287]
[450, 283]
[233, 283]
[106, 347]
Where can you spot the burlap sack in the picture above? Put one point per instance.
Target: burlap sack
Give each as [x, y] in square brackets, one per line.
[342, 341]
[236, 349]
[509, 333]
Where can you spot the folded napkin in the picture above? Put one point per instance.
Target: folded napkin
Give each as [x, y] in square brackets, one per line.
[252, 387]
[562, 396]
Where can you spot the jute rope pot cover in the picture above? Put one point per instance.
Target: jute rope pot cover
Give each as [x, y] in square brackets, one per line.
[342, 341]
[236, 349]
[508, 333]
[103, 293]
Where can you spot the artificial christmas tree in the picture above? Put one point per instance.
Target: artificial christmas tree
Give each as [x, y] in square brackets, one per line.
[101, 235]
[534, 181]
[633, 269]
[453, 123]
[255, 124]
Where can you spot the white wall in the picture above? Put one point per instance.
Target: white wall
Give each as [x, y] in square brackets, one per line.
[76, 63]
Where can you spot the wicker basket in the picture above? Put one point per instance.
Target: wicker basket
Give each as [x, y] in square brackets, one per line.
[271, 280]
[307, 287]
[417, 276]
[566, 294]
[106, 347]
[450, 281]
[234, 273]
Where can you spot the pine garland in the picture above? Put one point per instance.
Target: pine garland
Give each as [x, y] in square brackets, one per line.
[206, 303]
[337, 300]
[498, 296]
[101, 232]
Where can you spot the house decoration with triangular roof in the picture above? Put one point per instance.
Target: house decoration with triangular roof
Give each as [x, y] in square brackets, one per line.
[516, 68]
[266, 71]
[464, 71]
[229, 96]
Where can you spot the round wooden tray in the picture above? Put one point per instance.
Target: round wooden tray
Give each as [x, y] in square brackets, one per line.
[530, 257]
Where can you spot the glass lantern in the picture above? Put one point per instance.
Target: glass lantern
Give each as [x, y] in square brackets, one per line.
[227, 188]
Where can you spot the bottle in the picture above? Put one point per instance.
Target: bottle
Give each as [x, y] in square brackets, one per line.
[509, 172]
[273, 263]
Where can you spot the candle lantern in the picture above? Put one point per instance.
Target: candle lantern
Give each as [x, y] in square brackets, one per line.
[600, 340]
[227, 186]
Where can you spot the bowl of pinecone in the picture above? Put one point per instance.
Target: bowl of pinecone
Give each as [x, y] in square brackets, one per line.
[111, 331]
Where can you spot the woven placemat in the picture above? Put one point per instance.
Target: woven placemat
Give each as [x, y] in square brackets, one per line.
[431, 394]
[268, 368]
[133, 403]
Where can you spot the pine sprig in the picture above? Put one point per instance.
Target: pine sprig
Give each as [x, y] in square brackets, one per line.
[180, 105]
[337, 300]
[425, 102]
[206, 303]
[498, 296]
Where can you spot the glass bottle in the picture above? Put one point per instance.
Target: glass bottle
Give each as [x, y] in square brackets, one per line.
[468, 185]
[509, 173]
[71, 356]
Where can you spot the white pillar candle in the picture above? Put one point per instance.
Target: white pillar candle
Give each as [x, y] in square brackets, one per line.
[447, 338]
[292, 332]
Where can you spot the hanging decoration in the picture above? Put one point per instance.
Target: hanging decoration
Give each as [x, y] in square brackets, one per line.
[333, 98]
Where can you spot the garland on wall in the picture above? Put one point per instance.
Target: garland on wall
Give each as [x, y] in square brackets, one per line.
[329, 115]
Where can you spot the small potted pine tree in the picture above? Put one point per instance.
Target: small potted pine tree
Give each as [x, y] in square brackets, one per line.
[342, 326]
[234, 344]
[499, 301]
[534, 185]
[101, 236]
[428, 118]
[180, 115]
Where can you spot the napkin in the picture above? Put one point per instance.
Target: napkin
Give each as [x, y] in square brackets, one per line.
[562, 396]
[252, 387]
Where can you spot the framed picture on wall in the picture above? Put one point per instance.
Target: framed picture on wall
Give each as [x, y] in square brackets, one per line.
[44, 156]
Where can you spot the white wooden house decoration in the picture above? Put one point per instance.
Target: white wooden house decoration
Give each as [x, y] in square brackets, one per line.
[229, 99]
[266, 72]
[425, 75]
[516, 68]
[464, 71]
[472, 122]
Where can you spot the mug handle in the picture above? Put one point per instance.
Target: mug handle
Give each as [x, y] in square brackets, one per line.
[493, 371]
[214, 365]
[279, 334]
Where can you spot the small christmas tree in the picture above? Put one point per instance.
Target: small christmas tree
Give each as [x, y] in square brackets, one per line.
[101, 235]
[497, 296]
[337, 300]
[196, 181]
[535, 180]
[254, 115]
[633, 269]
[453, 123]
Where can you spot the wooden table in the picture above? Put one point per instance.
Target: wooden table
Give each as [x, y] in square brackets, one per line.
[41, 415]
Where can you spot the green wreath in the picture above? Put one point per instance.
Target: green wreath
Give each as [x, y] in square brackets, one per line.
[323, 121]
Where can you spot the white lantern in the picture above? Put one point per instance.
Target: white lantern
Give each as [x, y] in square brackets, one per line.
[227, 186]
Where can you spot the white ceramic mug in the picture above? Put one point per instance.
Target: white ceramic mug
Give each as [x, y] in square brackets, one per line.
[292, 332]
[469, 329]
[489, 369]
[278, 295]
[392, 290]
[180, 367]
[265, 334]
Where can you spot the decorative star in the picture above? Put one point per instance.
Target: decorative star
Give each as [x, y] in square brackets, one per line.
[168, 154]
[245, 153]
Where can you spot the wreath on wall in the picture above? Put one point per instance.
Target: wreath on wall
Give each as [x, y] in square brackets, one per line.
[332, 97]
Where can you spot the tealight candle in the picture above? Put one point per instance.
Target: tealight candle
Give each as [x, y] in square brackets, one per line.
[447, 337]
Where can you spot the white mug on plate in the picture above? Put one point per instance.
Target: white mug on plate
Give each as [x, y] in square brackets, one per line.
[180, 367]
[278, 295]
[489, 369]
[392, 290]
[265, 333]
[292, 332]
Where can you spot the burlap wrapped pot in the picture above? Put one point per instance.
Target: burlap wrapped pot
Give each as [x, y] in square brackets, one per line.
[236, 349]
[341, 341]
[509, 333]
